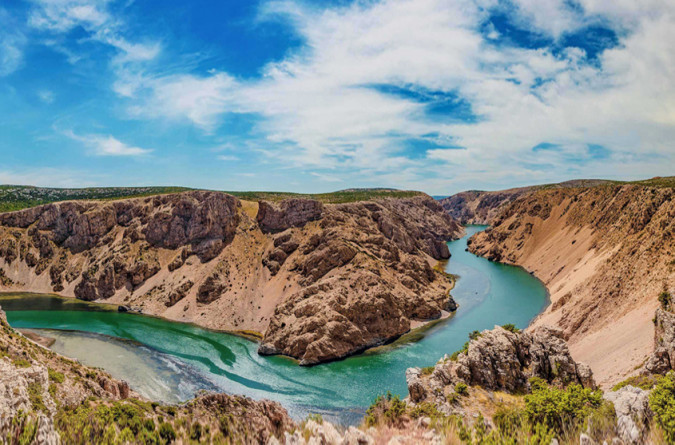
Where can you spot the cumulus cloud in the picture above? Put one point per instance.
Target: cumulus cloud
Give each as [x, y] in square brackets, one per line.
[363, 86]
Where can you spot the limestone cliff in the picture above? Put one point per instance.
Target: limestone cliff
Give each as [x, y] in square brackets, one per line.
[481, 207]
[320, 280]
[605, 253]
[502, 360]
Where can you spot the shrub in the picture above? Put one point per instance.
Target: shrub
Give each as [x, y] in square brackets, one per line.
[35, 396]
[662, 403]
[387, 408]
[665, 299]
[645, 382]
[509, 420]
[474, 335]
[461, 389]
[511, 328]
[167, 432]
[427, 370]
[560, 409]
[21, 363]
[455, 354]
[55, 376]
[196, 431]
[426, 409]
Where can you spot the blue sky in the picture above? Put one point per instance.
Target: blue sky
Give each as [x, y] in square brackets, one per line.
[435, 95]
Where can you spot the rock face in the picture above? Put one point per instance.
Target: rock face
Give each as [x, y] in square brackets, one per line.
[289, 213]
[481, 207]
[365, 277]
[662, 359]
[502, 360]
[321, 280]
[632, 413]
[605, 253]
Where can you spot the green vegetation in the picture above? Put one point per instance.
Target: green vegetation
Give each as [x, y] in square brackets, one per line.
[662, 403]
[665, 299]
[17, 197]
[560, 409]
[339, 197]
[55, 376]
[387, 409]
[21, 363]
[35, 396]
[645, 382]
[462, 389]
[511, 328]
[427, 370]
[316, 418]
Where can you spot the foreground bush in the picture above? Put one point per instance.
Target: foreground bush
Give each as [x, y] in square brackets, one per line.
[662, 403]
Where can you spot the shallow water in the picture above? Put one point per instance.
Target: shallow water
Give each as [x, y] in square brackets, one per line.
[170, 361]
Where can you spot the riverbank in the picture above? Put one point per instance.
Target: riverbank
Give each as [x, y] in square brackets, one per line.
[489, 294]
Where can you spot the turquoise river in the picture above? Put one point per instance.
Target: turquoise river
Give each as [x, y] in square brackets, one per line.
[171, 361]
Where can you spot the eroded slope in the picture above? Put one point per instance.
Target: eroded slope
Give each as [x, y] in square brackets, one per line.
[605, 253]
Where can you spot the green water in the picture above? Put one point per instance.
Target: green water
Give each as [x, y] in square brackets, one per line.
[179, 359]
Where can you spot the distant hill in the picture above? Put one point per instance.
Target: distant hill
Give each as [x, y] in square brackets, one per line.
[480, 207]
[17, 197]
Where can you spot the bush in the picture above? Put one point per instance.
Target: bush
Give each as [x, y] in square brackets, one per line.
[560, 409]
[387, 408]
[167, 432]
[662, 403]
[511, 328]
[427, 370]
[645, 382]
[455, 354]
[196, 431]
[55, 376]
[509, 421]
[473, 335]
[665, 299]
[461, 389]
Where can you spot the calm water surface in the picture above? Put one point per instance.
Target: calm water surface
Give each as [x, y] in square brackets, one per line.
[171, 361]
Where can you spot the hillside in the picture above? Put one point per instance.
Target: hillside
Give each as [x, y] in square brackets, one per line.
[314, 281]
[481, 207]
[605, 253]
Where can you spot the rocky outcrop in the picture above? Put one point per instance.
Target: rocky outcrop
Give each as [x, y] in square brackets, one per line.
[605, 253]
[662, 359]
[209, 258]
[501, 360]
[289, 213]
[365, 274]
[633, 414]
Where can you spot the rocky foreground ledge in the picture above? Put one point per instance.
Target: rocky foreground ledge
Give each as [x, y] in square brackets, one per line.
[315, 281]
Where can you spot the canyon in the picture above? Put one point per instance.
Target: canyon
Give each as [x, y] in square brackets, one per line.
[604, 251]
[310, 280]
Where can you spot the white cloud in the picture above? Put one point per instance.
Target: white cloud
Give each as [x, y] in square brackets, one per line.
[62, 16]
[12, 42]
[227, 158]
[318, 110]
[46, 96]
[101, 145]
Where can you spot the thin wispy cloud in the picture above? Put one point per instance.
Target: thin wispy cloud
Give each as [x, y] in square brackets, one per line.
[102, 145]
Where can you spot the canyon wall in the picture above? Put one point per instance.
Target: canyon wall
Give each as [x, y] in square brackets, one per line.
[316, 281]
[605, 253]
